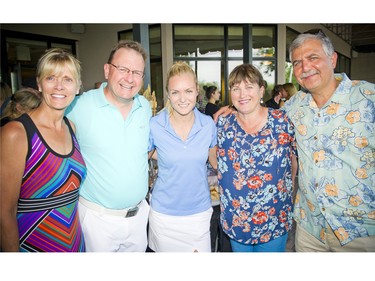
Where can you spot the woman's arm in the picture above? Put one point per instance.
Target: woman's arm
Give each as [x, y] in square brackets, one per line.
[153, 154]
[212, 158]
[12, 164]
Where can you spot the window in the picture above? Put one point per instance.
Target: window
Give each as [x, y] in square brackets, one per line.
[198, 41]
[22, 52]
[289, 77]
[215, 50]
[343, 64]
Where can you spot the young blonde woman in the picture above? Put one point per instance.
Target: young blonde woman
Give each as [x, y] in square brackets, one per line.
[184, 140]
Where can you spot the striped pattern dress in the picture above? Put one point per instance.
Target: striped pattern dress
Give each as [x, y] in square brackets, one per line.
[47, 215]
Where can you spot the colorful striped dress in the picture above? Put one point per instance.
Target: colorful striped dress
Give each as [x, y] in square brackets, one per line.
[47, 215]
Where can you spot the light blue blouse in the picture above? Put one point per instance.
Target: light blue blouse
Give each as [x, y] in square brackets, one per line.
[181, 187]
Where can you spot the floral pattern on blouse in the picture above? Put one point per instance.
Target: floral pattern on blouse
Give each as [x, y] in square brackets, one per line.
[255, 178]
[336, 154]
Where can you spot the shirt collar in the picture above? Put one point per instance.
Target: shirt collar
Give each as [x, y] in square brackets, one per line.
[197, 121]
[102, 101]
[341, 94]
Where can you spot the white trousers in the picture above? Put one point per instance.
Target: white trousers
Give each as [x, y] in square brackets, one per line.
[108, 233]
[180, 233]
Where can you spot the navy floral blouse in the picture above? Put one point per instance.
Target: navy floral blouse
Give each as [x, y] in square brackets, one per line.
[255, 178]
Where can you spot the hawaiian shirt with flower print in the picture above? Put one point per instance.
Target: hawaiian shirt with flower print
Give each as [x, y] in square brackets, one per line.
[336, 150]
[255, 178]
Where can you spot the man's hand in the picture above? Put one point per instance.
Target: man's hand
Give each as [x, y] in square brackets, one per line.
[224, 111]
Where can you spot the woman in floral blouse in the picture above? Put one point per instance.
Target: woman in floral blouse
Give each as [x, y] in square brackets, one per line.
[256, 152]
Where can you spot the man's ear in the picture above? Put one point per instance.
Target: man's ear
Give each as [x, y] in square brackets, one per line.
[334, 60]
[106, 70]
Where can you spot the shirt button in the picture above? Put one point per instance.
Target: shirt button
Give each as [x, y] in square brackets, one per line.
[323, 209]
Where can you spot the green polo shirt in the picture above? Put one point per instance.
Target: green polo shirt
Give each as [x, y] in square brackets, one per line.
[114, 149]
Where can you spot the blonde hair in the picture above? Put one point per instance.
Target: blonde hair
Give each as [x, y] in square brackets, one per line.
[178, 68]
[23, 101]
[54, 61]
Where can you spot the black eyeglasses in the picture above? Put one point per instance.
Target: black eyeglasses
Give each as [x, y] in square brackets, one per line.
[125, 70]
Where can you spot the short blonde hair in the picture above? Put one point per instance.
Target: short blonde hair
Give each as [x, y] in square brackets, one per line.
[54, 61]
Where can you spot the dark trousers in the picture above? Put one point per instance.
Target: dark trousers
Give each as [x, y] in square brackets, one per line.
[219, 240]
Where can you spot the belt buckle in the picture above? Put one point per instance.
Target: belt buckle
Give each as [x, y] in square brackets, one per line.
[132, 212]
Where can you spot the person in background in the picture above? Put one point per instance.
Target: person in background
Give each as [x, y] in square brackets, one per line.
[213, 96]
[23, 101]
[201, 101]
[42, 167]
[334, 123]
[278, 95]
[184, 139]
[256, 159]
[266, 94]
[97, 85]
[5, 96]
[113, 130]
[290, 89]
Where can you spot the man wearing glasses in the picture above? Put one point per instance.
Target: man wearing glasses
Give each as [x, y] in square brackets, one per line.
[112, 125]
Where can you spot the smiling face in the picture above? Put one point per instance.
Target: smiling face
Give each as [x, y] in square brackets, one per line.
[246, 86]
[312, 67]
[59, 89]
[246, 96]
[58, 78]
[182, 93]
[124, 85]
